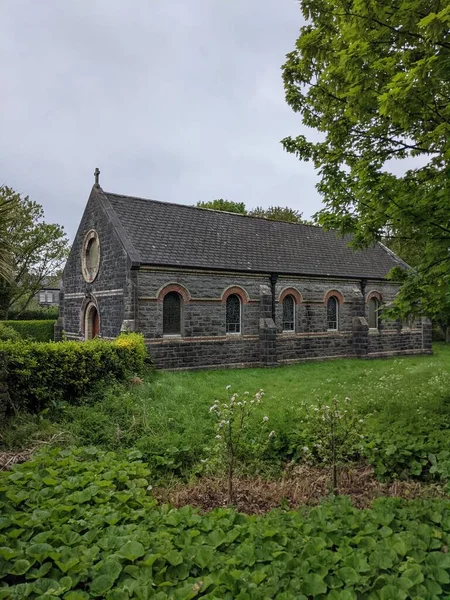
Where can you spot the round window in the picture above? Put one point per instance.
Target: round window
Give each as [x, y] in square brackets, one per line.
[90, 258]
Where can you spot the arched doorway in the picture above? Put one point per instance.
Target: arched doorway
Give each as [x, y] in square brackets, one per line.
[91, 322]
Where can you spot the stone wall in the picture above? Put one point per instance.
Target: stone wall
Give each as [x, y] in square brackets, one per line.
[204, 342]
[111, 291]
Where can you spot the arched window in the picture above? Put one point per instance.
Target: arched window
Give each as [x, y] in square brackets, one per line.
[233, 314]
[289, 313]
[374, 314]
[408, 322]
[332, 313]
[172, 314]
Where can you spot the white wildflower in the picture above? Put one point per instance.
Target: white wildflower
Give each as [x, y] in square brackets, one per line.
[149, 488]
[305, 449]
[272, 434]
[246, 393]
[265, 418]
[228, 387]
[218, 437]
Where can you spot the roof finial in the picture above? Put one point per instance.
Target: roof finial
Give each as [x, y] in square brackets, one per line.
[97, 175]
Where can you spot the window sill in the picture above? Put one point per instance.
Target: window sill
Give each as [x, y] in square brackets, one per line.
[332, 330]
[172, 335]
[233, 333]
[288, 331]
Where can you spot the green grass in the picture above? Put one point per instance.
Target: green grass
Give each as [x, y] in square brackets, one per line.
[404, 402]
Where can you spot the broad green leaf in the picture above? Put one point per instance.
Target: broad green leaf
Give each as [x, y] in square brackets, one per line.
[313, 585]
[203, 557]
[101, 584]
[20, 567]
[348, 575]
[132, 550]
[76, 595]
[174, 558]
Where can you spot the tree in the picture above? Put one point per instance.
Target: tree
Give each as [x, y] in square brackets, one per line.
[275, 213]
[6, 256]
[224, 205]
[38, 250]
[374, 79]
[278, 213]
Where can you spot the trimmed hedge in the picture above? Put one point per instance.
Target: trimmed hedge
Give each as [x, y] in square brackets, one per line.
[39, 375]
[38, 331]
[39, 314]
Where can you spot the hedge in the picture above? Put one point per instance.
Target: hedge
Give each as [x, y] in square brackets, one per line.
[8, 333]
[39, 331]
[40, 375]
[38, 314]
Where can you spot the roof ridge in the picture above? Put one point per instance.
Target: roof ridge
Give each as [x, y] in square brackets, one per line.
[392, 253]
[227, 212]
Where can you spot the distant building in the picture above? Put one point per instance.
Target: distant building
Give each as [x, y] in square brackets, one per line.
[209, 288]
[48, 296]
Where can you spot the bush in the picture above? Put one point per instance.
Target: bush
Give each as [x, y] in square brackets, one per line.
[38, 331]
[39, 375]
[83, 524]
[8, 333]
[38, 314]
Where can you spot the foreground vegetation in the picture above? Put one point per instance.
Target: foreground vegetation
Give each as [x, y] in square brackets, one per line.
[83, 524]
[398, 409]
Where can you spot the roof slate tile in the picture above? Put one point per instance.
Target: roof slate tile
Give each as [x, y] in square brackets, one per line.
[187, 236]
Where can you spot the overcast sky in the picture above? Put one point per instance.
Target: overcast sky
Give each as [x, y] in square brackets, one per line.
[174, 100]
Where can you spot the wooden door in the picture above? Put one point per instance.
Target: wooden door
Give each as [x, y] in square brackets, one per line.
[95, 323]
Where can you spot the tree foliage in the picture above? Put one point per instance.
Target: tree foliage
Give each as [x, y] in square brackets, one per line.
[224, 205]
[7, 205]
[38, 250]
[275, 213]
[278, 213]
[373, 77]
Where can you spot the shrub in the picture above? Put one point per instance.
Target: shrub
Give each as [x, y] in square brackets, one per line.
[39, 331]
[38, 314]
[8, 333]
[83, 524]
[40, 375]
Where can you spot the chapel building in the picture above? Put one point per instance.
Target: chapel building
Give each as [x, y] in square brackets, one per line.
[214, 289]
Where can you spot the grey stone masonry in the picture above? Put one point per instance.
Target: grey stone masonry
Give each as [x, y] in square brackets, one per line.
[267, 329]
[360, 337]
[112, 291]
[204, 342]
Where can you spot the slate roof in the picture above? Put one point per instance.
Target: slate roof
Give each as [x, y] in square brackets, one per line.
[186, 236]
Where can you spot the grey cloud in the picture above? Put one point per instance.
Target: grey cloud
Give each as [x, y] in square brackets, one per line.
[174, 100]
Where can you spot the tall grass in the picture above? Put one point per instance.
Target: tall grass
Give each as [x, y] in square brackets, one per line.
[167, 418]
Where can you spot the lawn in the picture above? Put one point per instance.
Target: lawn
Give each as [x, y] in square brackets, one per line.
[403, 403]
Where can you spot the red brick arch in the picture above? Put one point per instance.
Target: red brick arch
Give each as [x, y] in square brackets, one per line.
[338, 295]
[290, 291]
[235, 289]
[374, 294]
[173, 287]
